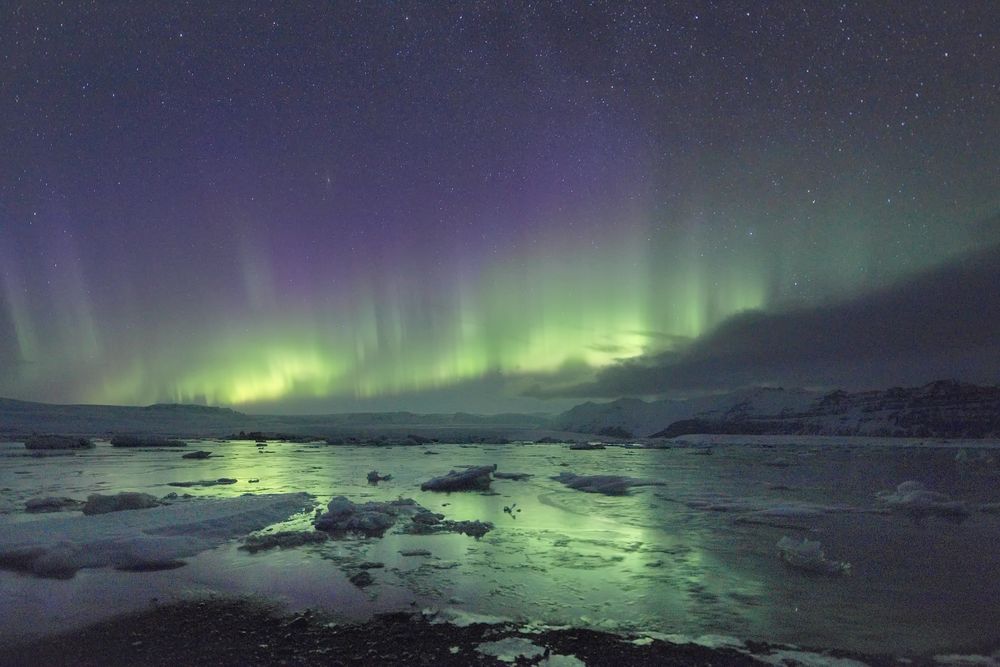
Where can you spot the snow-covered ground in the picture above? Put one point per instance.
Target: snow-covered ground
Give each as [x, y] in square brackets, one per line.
[697, 555]
[867, 442]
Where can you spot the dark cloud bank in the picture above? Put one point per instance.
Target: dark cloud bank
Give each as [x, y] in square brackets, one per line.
[942, 323]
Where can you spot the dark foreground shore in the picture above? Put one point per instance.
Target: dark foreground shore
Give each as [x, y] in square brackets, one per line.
[240, 632]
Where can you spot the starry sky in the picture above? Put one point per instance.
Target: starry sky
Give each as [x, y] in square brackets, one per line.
[485, 206]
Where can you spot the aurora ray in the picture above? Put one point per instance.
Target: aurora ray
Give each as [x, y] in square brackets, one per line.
[476, 201]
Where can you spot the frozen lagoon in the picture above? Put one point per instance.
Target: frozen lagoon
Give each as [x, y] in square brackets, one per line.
[695, 556]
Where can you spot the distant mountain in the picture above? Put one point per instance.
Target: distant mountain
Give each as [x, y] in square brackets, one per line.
[642, 418]
[24, 417]
[19, 418]
[942, 409]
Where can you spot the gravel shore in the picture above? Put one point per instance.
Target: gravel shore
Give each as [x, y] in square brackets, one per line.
[244, 632]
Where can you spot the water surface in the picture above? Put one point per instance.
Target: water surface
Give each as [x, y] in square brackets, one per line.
[663, 558]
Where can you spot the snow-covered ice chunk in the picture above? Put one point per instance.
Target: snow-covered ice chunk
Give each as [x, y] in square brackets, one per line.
[151, 539]
[461, 618]
[808, 555]
[372, 518]
[916, 499]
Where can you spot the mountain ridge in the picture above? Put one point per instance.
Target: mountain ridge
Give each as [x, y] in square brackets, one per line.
[943, 408]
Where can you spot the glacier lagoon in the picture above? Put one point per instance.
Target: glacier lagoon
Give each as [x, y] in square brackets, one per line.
[696, 555]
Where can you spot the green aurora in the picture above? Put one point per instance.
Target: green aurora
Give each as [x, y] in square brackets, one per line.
[479, 207]
[551, 318]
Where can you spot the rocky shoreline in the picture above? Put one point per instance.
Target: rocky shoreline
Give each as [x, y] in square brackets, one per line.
[222, 631]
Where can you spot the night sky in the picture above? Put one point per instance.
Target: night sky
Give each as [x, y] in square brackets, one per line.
[489, 206]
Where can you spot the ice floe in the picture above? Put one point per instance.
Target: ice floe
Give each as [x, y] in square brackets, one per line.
[461, 618]
[808, 555]
[284, 539]
[917, 500]
[126, 500]
[609, 485]
[511, 649]
[476, 478]
[148, 539]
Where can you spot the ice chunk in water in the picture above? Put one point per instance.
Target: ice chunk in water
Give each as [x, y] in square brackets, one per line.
[916, 499]
[808, 555]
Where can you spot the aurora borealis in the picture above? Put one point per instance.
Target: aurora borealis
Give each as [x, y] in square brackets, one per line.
[466, 206]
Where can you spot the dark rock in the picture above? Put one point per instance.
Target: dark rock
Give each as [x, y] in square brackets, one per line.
[200, 454]
[297, 623]
[57, 442]
[476, 478]
[362, 579]
[52, 504]
[425, 522]
[609, 485]
[285, 539]
[145, 441]
[513, 510]
[374, 477]
[586, 446]
[427, 518]
[414, 552]
[371, 519]
[473, 528]
[151, 566]
[205, 482]
[127, 500]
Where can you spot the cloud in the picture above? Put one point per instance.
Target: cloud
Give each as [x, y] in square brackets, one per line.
[942, 323]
